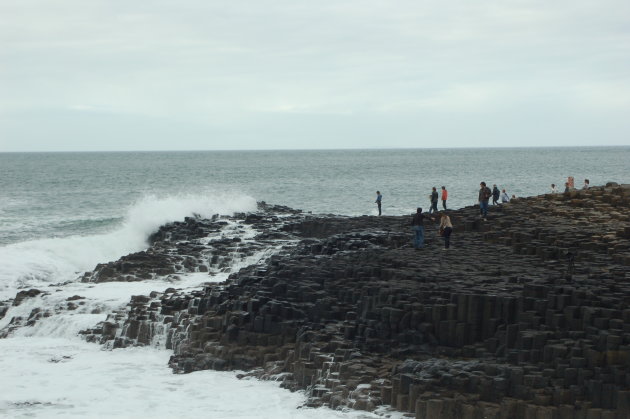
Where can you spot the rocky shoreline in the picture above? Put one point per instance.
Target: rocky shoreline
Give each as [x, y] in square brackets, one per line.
[528, 316]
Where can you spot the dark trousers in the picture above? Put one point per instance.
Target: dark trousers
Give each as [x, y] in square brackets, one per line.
[444, 203]
[483, 208]
[433, 207]
[379, 207]
[447, 237]
[418, 237]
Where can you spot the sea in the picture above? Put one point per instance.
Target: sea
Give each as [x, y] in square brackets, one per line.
[63, 213]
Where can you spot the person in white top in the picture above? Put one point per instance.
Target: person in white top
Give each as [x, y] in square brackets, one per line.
[553, 188]
[504, 197]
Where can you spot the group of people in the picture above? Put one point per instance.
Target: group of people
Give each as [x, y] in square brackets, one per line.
[569, 185]
[434, 199]
[417, 223]
[485, 193]
[446, 226]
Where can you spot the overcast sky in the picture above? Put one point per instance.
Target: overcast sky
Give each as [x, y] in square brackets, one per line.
[182, 75]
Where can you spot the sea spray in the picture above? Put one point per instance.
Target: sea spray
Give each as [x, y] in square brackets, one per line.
[42, 262]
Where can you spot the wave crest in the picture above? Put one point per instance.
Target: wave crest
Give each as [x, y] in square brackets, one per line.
[41, 262]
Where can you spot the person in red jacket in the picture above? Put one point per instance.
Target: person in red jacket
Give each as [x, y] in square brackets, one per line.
[444, 196]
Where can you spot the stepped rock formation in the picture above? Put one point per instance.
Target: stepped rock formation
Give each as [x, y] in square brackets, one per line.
[528, 316]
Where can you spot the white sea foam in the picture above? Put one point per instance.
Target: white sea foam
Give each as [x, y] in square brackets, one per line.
[57, 378]
[98, 300]
[49, 372]
[41, 262]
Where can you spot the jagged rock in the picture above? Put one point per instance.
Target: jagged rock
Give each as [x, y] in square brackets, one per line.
[22, 295]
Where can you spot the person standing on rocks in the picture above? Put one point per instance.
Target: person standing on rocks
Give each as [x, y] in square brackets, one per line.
[379, 199]
[417, 224]
[504, 197]
[586, 184]
[484, 196]
[553, 188]
[495, 195]
[434, 201]
[444, 197]
[446, 228]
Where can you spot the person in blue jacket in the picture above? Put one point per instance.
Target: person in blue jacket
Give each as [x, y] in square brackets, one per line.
[379, 199]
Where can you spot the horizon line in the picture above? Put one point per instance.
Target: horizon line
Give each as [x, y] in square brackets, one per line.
[315, 149]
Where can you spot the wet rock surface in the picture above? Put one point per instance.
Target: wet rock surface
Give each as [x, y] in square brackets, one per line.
[528, 316]
[199, 245]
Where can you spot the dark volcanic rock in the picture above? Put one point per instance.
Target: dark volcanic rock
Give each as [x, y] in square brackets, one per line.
[197, 245]
[22, 295]
[526, 317]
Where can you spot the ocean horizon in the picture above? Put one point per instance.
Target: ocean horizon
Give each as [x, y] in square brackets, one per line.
[203, 150]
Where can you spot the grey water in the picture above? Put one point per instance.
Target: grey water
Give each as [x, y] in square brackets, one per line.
[52, 195]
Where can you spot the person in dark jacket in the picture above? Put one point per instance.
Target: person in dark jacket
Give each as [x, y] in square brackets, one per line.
[496, 193]
[434, 201]
[417, 224]
[379, 199]
[484, 196]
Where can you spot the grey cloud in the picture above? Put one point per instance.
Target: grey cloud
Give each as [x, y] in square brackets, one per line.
[284, 74]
